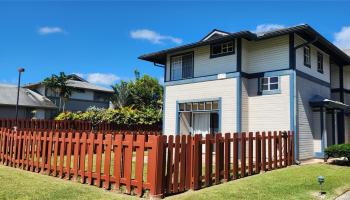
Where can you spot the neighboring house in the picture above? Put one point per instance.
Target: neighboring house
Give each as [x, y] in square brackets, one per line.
[31, 104]
[287, 79]
[84, 94]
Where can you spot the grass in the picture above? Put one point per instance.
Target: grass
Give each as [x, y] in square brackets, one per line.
[19, 184]
[296, 182]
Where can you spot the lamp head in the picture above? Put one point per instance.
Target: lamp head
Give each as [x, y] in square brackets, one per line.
[21, 69]
[320, 179]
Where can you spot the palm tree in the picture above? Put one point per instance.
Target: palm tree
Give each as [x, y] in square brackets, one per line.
[58, 84]
[121, 94]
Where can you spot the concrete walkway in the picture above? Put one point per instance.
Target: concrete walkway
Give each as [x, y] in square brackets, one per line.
[345, 196]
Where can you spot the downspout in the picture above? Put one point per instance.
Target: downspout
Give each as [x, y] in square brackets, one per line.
[293, 87]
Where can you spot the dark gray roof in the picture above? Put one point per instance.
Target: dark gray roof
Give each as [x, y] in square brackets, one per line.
[304, 30]
[319, 101]
[87, 85]
[77, 82]
[27, 97]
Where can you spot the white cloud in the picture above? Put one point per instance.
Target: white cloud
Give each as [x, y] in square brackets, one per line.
[154, 37]
[100, 78]
[267, 27]
[46, 30]
[342, 38]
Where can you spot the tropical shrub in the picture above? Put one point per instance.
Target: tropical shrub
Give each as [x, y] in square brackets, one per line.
[338, 151]
[123, 116]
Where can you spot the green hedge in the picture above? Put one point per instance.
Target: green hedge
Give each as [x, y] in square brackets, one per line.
[338, 151]
[124, 115]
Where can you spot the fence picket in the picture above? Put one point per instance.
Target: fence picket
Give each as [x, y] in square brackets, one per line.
[217, 158]
[128, 162]
[250, 153]
[117, 162]
[90, 157]
[269, 149]
[19, 149]
[99, 158]
[82, 157]
[263, 151]
[49, 152]
[182, 163]
[170, 164]
[43, 148]
[208, 160]
[280, 149]
[243, 155]
[176, 164]
[62, 148]
[69, 154]
[235, 156]
[140, 150]
[275, 166]
[76, 155]
[227, 145]
[57, 143]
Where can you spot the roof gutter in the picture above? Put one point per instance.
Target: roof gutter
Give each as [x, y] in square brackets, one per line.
[158, 65]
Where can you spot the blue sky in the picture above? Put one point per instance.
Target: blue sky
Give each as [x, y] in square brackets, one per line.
[102, 40]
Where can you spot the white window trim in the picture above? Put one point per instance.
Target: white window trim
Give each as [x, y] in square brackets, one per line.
[308, 64]
[269, 90]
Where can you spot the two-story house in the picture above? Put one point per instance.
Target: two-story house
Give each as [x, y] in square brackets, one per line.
[83, 94]
[286, 79]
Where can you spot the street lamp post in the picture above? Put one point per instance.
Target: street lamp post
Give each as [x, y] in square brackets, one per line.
[20, 70]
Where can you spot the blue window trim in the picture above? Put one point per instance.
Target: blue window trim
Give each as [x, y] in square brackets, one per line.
[163, 114]
[177, 116]
[201, 79]
[292, 116]
[177, 119]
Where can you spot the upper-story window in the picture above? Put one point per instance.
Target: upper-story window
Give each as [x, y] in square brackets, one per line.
[319, 62]
[307, 56]
[181, 67]
[222, 49]
[268, 84]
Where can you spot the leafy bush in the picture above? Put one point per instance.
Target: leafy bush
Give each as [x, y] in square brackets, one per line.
[338, 150]
[122, 116]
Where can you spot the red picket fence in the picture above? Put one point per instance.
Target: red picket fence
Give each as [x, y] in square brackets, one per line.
[75, 125]
[163, 165]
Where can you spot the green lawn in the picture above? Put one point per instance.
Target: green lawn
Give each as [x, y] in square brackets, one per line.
[297, 182]
[19, 184]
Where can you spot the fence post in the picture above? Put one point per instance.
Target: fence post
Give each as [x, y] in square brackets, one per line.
[157, 167]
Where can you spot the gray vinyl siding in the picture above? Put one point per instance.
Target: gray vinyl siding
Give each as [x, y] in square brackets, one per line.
[23, 112]
[245, 105]
[334, 76]
[265, 55]
[305, 90]
[204, 65]
[299, 54]
[80, 105]
[269, 112]
[346, 74]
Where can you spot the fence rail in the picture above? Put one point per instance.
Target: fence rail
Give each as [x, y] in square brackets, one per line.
[75, 125]
[163, 165]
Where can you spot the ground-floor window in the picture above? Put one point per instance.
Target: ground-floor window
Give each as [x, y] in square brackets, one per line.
[198, 117]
